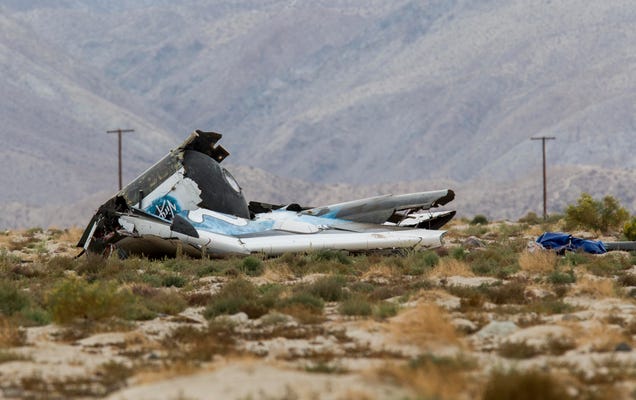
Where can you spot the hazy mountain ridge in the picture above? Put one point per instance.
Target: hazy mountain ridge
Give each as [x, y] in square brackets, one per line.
[327, 92]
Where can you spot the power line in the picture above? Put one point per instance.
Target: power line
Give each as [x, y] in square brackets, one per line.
[119, 132]
[545, 190]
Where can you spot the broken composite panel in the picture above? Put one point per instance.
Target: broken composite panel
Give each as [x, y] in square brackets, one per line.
[187, 202]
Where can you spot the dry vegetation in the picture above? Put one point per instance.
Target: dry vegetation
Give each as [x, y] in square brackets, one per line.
[484, 318]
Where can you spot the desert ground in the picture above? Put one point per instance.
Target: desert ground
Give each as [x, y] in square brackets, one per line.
[489, 315]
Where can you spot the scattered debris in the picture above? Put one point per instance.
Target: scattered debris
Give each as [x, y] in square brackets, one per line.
[188, 203]
[562, 242]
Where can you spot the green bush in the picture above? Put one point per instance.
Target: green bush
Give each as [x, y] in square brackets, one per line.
[562, 277]
[575, 258]
[499, 260]
[12, 299]
[418, 262]
[356, 305]
[479, 219]
[629, 229]
[164, 302]
[331, 255]
[509, 293]
[603, 216]
[239, 295]
[252, 266]
[458, 253]
[531, 218]
[328, 288]
[608, 265]
[173, 280]
[385, 309]
[306, 300]
[74, 298]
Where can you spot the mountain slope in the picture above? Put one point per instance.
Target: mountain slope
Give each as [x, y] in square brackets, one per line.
[55, 113]
[402, 91]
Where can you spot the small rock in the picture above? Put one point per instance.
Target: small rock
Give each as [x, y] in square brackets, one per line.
[239, 318]
[464, 325]
[497, 329]
[622, 346]
[537, 293]
[472, 242]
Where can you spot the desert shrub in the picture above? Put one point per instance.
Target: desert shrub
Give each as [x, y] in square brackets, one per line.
[356, 305]
[608, 265]
[386, 292]
[470, 297]
[526, 385]
[190, 343]
[75, 298]
[627, 280]
[518, 350]
[163, 302]
[509, 293]
[362, 287]
[10, 333]
[559, 277]
[575, 258]
[505, 231]
[479, 219]
[12, 299]
[550, 307]
[306, 307]
[531, 218]
[56, 266]
[295, 261]
[113, 375]
[458, 253]
[206, 269]
[418, 262]
[269, 294]
[91, 264]
[331, 255]
[252, 266]
[238, 295]
[328, 288]
[385, 309]
[475, 230]
[499, 260]
[602, 216]
[35, 315]
[180, 264]
[173, 280]
[629, 229]
[538, 261]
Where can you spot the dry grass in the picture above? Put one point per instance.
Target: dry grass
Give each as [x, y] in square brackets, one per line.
[595, 287]
[380, 273]
[598, 336]
[71, 235]
[425, 326]
[166, 371]
[10, 334]
[356, 394]
[451, 267]
[430, 377]
[277, 273]
[538, 262]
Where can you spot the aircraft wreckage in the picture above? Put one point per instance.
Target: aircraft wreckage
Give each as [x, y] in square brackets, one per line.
[187, 202]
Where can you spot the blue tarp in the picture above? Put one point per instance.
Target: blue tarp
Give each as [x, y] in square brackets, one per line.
[560, 242]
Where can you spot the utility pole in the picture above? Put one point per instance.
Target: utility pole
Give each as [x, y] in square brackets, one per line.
[545, 190]
[119, 132]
